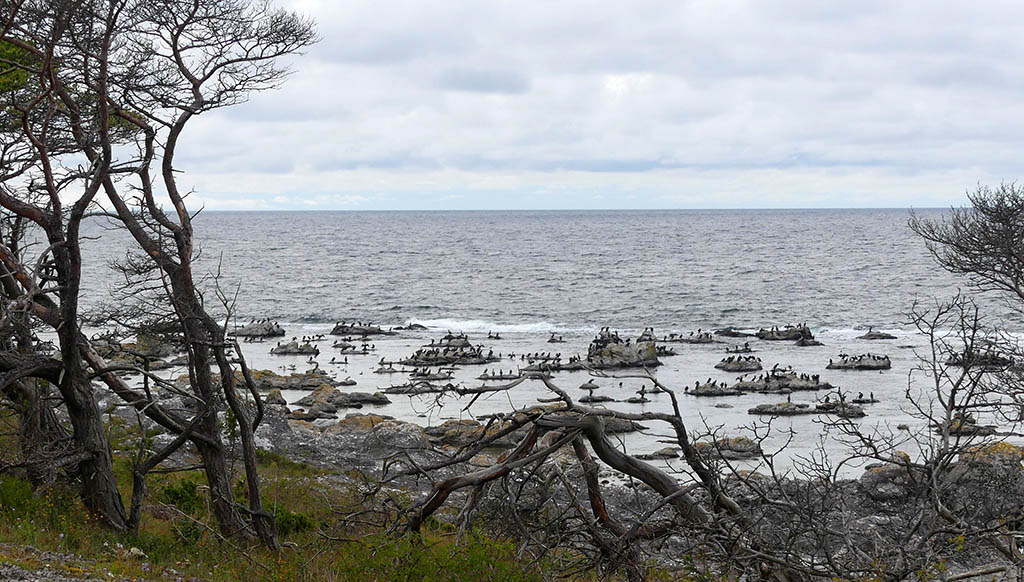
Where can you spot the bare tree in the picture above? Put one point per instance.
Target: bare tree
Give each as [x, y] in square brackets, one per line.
[131, 75]
[983, 242]
[42, 128]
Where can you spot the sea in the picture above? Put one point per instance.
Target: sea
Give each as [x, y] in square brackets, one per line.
[529, 274]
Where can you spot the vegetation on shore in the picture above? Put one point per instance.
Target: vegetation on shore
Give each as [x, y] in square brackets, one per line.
[50, 527]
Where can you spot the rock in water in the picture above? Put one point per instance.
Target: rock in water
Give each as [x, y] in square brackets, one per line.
[787, 333]
[364, 330]
[276, 398]
[876, 335]
[260, 329]
[608, 351]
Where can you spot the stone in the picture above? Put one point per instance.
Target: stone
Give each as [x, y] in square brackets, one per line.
[295, 349]
[790, 333]
[330, 397]
[861, 362]
[841, 409]
[739, 364]
[260, 329]
[714, 389]
[353, 329]
[733, 448]
[660, 454]
[275, 398]
[876, 335]
[782, 409]
[608, 351]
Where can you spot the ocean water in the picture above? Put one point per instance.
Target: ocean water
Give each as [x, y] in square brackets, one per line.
[571, 270]
[527, 274]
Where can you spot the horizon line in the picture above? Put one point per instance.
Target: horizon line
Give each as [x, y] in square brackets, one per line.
[726, 209]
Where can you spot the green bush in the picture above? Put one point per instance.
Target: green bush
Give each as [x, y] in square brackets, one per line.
[184, 495]
[15, 495]
[289, 522]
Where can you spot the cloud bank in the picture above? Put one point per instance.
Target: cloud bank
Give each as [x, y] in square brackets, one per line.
[644, 104]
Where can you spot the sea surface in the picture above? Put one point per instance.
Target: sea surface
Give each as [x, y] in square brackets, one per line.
[528, 274]
[568, 270]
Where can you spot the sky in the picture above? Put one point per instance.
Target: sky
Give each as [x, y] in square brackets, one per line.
[635, 104]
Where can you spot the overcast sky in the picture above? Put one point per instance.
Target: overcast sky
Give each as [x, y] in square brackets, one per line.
[633, 104]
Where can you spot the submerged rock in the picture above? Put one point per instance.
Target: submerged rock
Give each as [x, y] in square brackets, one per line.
[807, 343]
[876, 335]
[595, 399]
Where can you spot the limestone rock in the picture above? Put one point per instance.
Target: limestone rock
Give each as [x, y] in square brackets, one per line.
[353, 329]
[861, 362]
[739, 364]
[608, 351]
[782, 409]
[876, 335]
[734, 448]
[789, 332]
[295, 348]
[660, 454]
[263, 328]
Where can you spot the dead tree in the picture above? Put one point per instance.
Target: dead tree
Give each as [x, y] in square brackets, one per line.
[803, 521]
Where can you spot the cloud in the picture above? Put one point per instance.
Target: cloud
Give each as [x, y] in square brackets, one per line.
[643, 103]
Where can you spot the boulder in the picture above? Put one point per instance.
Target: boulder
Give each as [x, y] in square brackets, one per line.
[807, 343]
[861, 362]
[732, 332]
[782, 409]
[458, 433]
[275, 398]
[328, 396]
[260, 329]
[734, 448]
[295, 349]
[876, 335]
[660, 454]
[887, 481]
[790, 333]
[739, 364]
[608, 351]
[353, 329]
[841, 409]
[714, 389]
[269, 380]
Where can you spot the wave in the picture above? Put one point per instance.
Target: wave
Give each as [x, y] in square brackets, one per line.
[858, 331]
[483, 326]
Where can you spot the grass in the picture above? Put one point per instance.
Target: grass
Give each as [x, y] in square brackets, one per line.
[177, 544]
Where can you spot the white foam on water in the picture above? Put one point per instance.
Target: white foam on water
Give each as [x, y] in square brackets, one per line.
[483, 326]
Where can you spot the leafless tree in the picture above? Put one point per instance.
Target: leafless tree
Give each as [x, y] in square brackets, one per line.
[125, 77]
